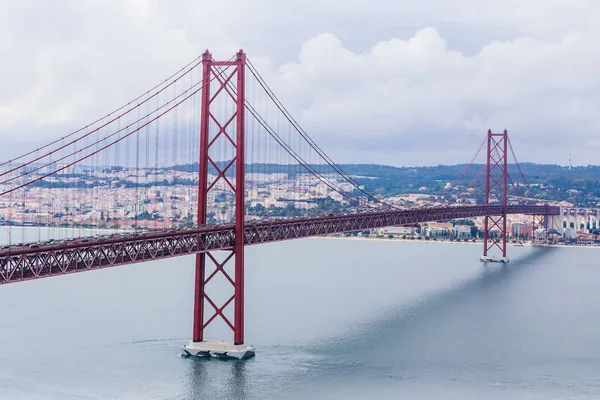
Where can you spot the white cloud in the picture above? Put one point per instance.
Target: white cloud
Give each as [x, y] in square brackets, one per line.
[421, 93]
[372, 81]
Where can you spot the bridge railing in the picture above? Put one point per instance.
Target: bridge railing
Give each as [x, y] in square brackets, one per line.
[23, 263]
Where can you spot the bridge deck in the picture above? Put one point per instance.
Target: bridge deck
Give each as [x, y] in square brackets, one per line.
[24, 263]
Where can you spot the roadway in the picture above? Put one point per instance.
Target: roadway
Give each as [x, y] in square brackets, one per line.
[19, 263]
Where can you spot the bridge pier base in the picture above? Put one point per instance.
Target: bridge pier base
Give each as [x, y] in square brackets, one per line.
[487, 259]
[221, 350]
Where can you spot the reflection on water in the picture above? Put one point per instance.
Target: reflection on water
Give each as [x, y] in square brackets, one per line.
[197, 379]
[213, 378]
[358, 351]
[237, 380]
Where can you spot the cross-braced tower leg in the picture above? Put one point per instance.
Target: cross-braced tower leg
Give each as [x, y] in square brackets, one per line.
[222, 81]
[494, 233]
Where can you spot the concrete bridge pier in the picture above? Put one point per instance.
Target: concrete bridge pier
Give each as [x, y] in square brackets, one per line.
[556, 222]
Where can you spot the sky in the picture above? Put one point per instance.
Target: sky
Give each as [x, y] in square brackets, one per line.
[378, 81]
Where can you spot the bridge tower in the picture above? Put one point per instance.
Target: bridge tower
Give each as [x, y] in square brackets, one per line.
[494, 234]
[221, 124]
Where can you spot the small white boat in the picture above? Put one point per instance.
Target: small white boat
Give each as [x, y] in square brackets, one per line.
[494, 259]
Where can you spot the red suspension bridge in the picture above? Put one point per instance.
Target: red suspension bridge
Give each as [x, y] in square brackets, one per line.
[141, 184]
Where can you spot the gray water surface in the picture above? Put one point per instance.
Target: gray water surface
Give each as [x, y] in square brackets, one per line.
[330, 319]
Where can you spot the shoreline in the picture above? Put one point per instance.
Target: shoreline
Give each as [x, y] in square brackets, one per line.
[448, 242]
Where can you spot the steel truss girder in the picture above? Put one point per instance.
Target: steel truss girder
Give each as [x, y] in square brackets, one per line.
[19, 264]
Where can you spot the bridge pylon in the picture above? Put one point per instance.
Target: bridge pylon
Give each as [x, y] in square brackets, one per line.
[495, 232]
[218, 123]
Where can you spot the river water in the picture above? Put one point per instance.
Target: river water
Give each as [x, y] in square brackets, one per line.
[330, 319]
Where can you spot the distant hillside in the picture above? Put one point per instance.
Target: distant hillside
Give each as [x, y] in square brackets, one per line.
[580, 185]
